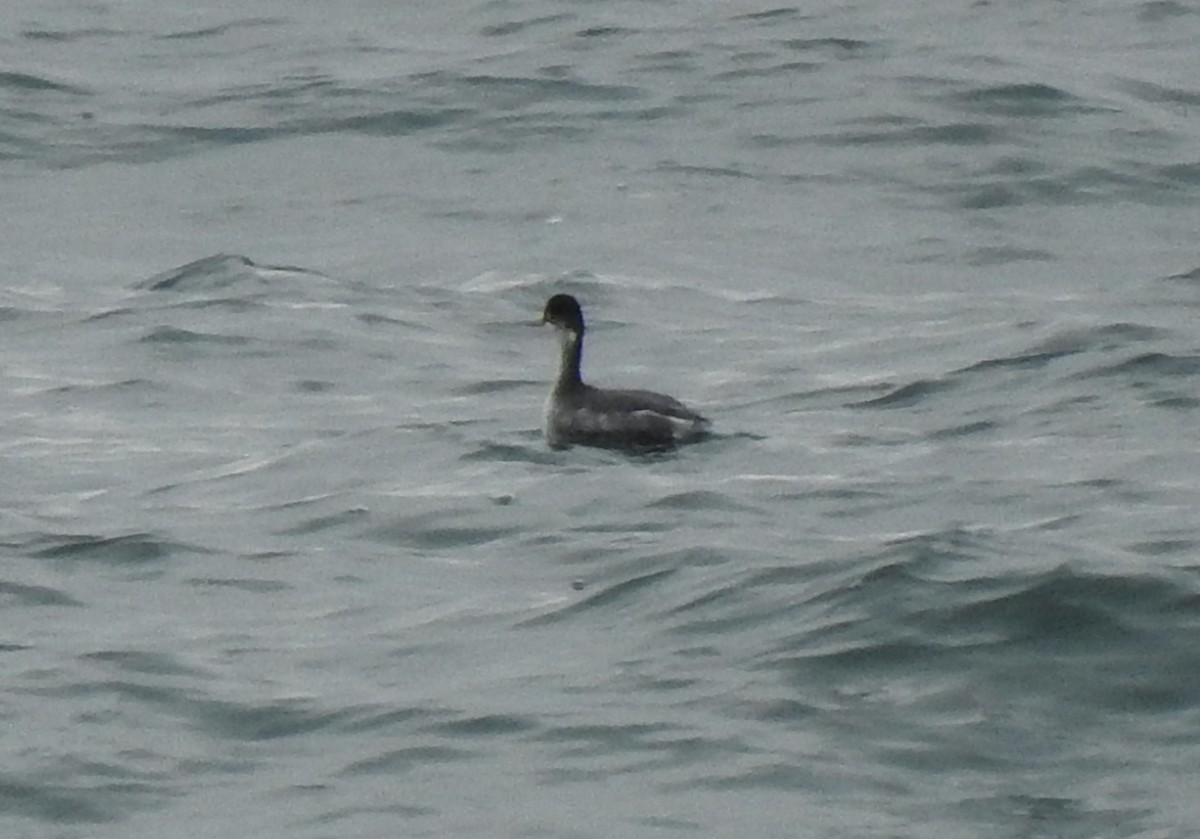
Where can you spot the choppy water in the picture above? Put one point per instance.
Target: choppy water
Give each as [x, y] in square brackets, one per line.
[284, 553]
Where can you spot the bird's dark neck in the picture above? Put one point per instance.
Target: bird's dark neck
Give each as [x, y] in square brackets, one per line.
[571, 343]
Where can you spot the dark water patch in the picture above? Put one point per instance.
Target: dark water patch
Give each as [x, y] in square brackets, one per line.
[56, 803]
[1072, 612]
[295, 90]
[1105, 338]
[693, 557]
[1020, 100]
[318, 524]
[1081, 186]
[1051, 611]
[1166, 547]
[1159, 11]
[1102, 338]
[992, 196]
[395, 123]
[769, 15]
[784, 575]
[12, 313]
[63, 689]
[1179, 174]
[121, 312]
[374, 719]
[1151, 185]
[603, 32]
[69, 790]
[1006, 254]
[222, 29]
[989, 197]
[494, 386]
[838, 47]
[968, 429]
[408, 759]
[130, 549]
[885, 120]
[504, 134]
[1143, 680]
[123, 389]
[442, 538]
[896, 573]
[1117, 486]
[852, 440]
[706, 171]
[674, 824]
[847, 493]
[490, 452]
[944, 751]
[603, 748]
[235, 303]
[842, 655]
[786, 777]
[782, 711]
[264, 556]
[953, 134]
[64, 36]
[426, 532]
[1148, 367]
[244, 721]
[24, 82]
[1033, 359]
[377, 319]
[173, 140]
[357, 811]
[512, 27]
[218, 766]
[655, 684]
[1016, 166]
[508, 92]
[698, 500]
[601, 740]
[252, 586]
[617, 594]
[1022, 361]
[1187, 276]
[959, 134]
[906, 396]
[12, 146]
[782, 68]
[836, 394]
[1040, 816]
[1111, 643]
[174, 336]
[930, 548]
[1113, 335]
[1173, 402]
[677, 61]
[719, 610]
[729, 595]
[486, 725]
[138, 661]
[19, 595]
[1151, 92]
[219, 272]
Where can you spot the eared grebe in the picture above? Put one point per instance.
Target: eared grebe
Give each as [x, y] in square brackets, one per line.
[591, 416]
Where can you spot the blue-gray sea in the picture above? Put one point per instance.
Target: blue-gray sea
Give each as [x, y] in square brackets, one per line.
[283, 553]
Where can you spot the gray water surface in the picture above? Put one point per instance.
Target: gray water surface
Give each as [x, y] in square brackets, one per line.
[284, 553]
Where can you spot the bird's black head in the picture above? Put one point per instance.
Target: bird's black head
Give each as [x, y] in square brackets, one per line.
[563, 310]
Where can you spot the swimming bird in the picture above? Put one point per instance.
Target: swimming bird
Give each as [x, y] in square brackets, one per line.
[592, 416]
